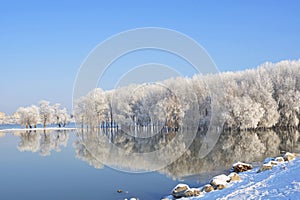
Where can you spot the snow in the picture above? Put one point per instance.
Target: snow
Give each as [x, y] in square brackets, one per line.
[281, 182]
[220, 180]
[289, 156]
[240, 163]
[181, 185]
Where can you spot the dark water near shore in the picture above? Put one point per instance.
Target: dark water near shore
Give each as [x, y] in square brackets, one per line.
[70, 164]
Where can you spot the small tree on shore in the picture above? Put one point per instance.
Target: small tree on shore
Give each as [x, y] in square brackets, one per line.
[46, 112]
[29, 116]
[60, 116]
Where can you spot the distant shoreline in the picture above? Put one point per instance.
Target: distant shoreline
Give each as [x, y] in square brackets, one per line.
[37, 129]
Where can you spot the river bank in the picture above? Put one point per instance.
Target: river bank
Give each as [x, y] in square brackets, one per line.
[275, 179]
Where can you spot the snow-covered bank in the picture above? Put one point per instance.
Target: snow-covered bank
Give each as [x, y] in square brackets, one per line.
[280, 182]
[37, 129]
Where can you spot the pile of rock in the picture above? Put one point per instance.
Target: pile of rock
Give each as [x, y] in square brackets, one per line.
[270, 162]
[183, 190]
[221, 181]
[241, 167]
[216, 183]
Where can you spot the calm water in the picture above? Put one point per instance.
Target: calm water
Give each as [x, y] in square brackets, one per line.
[68, 165]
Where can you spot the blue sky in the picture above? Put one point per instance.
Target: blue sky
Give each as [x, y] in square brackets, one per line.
[43, 43]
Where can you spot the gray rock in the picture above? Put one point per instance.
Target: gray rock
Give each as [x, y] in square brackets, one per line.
[234, 177]
[207, 188]
[241, 167]
[179, 190]
[265, 167]
[289, 156]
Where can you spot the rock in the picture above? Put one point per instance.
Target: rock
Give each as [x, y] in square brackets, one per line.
[279, 159]
[188, 193]
[234, 177]
[219, 182]
[196, 192]
[265, 167]
[207, 188]
[179, 190]
[241, 167]
[273, 163]
[192, 192]
[289, 156]
[221, 186]
[183, 190]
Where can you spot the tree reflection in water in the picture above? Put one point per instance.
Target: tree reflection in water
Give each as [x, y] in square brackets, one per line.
[42, 142]
[246, 146]
[126, 152]
[95, 148]
[2, 134]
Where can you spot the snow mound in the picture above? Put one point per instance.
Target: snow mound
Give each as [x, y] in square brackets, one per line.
[220, 181]
[281, 182]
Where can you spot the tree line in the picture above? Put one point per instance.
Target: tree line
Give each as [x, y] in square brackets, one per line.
[44, 114]
[264, 97]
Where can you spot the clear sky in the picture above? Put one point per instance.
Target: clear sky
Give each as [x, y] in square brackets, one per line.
[43, 43]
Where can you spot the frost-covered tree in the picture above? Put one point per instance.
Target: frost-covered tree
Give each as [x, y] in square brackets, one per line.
[60, 116]
[29, 116]
[2, 117]
[46, 112]
[64, 117]
[257, 98]
[262, 92]
[285, 76]
[92, 109]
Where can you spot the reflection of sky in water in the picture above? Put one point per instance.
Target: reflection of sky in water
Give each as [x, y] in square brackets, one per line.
[40, 172]
[27, 175]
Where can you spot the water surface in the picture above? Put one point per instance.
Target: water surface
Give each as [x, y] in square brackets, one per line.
[69, 164]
